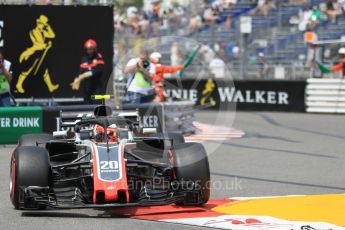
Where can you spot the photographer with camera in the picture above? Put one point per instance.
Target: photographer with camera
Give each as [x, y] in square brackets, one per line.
[5, 79]
[140, 88]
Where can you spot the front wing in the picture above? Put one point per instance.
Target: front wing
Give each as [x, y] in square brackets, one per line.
[34, 197]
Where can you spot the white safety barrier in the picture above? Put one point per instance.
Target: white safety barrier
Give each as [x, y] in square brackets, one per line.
[325, 96]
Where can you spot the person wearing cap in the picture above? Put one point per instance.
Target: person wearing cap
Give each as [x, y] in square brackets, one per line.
[341, 65]
[33, 58]
[140, 71]
[158, 79]
[91, 71]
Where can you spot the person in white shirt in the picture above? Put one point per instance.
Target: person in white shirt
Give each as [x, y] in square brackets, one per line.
[140, 88]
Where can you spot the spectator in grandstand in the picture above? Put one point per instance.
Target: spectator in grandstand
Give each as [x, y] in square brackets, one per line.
[309, 19]
[207, 53]
[299, 2]
[231, 3]
[341, 65]
[341, 4]
[305, 18]
[232, 51]
[333, 10]
[195, 23]
[155, 18]
[131, 11]
[155, 10]
[262, 71]
[313, 54]
[5, 79]
[222, 5]
[134, 20]
[228, 22]
[210, 14]
[91, 71]
[140, 87]
[264, 7]
[119, 21]
[176, 54]
[315, 18]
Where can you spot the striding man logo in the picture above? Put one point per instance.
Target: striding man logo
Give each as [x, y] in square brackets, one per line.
[33, 58]
[207, 97]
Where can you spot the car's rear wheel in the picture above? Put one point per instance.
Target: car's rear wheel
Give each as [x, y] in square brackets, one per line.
[191, 166]
[30, 166]
[33, 139]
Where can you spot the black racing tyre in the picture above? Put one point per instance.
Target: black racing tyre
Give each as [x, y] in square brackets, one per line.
[191, 165]
[33, 139]
[30, 166]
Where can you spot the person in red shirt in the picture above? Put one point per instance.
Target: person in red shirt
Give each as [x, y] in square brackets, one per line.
[341, 65]
[161, 69]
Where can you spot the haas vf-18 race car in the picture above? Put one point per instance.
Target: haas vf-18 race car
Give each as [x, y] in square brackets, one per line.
[108, 163]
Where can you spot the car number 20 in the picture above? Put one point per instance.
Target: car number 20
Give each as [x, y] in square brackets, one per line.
[109, 165]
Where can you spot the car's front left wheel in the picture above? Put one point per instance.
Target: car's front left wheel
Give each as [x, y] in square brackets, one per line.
[191, 167]
[30, 166]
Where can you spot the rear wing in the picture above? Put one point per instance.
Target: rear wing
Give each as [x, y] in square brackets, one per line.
[68, 120]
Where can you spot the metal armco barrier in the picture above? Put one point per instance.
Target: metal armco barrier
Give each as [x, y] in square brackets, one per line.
[325, 96]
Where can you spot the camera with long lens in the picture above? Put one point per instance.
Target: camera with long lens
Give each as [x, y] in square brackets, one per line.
[146, 64]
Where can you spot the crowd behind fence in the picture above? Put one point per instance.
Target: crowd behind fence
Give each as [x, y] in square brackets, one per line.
[275, 50]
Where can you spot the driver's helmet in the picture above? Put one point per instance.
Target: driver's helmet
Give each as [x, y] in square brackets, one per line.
[112, 132]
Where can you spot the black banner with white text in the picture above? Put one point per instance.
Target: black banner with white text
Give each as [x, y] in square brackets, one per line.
[274, 95]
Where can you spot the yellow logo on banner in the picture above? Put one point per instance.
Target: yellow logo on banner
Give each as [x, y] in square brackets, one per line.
[33, 57]
[207, 93]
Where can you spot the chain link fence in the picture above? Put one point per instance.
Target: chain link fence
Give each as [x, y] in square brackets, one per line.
[243, 66]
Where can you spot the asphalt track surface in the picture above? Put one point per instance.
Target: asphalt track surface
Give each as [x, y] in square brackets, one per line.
[281, 154]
